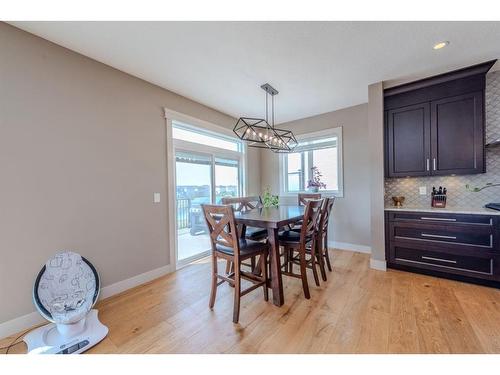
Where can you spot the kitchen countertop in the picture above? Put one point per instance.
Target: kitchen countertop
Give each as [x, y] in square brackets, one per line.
[446, 210]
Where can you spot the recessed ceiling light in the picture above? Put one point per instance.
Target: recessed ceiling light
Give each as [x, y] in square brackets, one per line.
[441, 45]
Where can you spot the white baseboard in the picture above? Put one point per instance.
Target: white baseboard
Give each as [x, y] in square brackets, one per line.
[22, 323]
[350, 247]
[34, 318]
[376, 264]
[134, 281]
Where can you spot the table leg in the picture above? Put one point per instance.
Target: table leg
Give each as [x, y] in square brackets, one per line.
[274, 261]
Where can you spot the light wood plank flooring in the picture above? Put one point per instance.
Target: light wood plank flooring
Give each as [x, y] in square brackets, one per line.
[358, 310]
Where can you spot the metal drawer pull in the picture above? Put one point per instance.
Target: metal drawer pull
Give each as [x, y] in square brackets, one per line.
[427, 164]
[436, 218]
[439, 259]
[438, 236]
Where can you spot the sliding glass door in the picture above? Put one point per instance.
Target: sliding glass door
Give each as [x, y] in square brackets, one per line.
[207, 167]
[193, 188]
[201, 178]
[227, 178]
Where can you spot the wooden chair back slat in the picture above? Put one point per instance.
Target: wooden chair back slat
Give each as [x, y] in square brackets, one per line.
[243, 203]
[311, 220]
[326, 210]
[221, 226]
[304, 197]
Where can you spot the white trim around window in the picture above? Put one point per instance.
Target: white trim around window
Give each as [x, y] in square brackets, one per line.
[321, 139]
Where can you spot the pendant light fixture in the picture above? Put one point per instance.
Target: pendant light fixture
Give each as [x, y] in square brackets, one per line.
[261, 134]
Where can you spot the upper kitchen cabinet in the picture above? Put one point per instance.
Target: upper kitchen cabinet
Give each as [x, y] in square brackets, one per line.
[457, 135]
[436, 126]
[408, 146]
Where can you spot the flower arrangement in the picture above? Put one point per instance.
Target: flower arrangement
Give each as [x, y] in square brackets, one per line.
[269, 200]
[315, 183]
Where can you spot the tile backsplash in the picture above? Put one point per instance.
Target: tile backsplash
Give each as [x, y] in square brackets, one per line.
[458, 196]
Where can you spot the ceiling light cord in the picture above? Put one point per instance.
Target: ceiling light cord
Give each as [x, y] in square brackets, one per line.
[267, 111]
[272, 106]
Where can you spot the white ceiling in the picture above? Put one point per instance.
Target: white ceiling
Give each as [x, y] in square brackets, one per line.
[317, 66]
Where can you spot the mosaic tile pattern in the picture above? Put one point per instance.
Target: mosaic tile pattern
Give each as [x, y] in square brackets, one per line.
[458, 196]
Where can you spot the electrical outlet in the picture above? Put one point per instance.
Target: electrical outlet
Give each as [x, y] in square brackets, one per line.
[422, 190]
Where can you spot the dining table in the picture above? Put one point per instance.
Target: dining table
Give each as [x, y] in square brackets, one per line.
[273, 219]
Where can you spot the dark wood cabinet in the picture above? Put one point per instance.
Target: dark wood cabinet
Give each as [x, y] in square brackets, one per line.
[458, 246]
[408, 140]
[457, 134]
[436, 126]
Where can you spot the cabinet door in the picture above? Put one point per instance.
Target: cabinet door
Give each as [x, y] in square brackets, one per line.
[408, 141]
[457, 134]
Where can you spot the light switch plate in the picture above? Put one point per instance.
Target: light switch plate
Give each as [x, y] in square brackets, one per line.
[422, 190]
[156, 197]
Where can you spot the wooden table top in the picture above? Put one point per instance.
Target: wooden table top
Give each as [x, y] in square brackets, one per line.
[270, 217]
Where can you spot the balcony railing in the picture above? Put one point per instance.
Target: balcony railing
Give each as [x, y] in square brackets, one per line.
[183, 217]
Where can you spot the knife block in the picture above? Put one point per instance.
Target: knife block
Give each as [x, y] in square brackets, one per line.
[439, 200]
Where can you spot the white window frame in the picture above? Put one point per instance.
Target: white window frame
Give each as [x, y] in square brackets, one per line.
[174, 145]
[334, 132]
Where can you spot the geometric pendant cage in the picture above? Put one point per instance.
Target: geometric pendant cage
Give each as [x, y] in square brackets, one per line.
[259, 133]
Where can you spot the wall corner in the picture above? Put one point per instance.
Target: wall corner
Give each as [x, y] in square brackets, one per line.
[376, 134]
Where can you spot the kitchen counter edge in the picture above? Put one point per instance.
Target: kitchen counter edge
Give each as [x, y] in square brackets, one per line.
[446, 210]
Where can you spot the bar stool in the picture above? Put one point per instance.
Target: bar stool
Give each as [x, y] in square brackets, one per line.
[227, 244]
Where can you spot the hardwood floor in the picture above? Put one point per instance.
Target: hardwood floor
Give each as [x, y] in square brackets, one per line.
[358, 310]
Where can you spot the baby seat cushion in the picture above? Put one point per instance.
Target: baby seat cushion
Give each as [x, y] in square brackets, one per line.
[67, 288]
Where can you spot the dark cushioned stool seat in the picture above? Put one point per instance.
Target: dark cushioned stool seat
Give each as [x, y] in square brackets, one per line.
[254, 233]
[248, 248]
[291, 236]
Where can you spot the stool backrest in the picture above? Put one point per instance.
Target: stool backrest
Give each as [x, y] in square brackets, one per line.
[304, 197]
[326, 210]
[311, 220]
[221, 226]
[243, 203]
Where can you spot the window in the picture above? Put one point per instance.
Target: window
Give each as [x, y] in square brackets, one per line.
[189, 133]
[322, 150]
[227, 177]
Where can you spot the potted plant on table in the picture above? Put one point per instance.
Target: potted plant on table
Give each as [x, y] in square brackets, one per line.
[315, 183]
[268, 199]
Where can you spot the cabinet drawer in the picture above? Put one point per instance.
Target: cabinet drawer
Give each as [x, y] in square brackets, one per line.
[459, 264]
[442, 218]
[457, 234]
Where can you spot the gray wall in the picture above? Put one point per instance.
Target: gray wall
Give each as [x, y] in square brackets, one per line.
[82, 149]
[351, 222]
